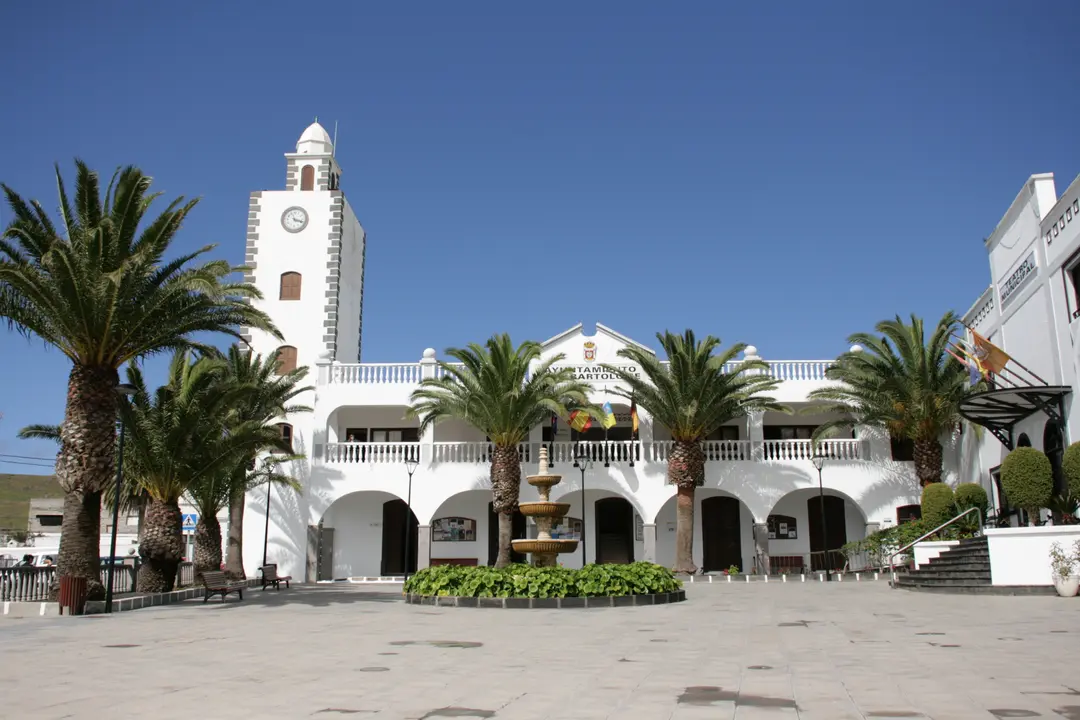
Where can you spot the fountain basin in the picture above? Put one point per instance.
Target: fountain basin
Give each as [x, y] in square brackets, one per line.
[543, 480]
[544, 546]
[544, 509]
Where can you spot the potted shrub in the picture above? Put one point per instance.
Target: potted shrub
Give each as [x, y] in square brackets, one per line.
[1028, 480]
[1063, 568]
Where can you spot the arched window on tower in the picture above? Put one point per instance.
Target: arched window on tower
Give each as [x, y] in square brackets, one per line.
[307, 177]
[290, 286]
[286, 434]
[286, 359]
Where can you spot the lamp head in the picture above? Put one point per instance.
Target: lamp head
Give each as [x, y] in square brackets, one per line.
[411, 463]
[818, 460]
[125, 389]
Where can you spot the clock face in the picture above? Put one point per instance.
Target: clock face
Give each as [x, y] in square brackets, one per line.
[294, 219]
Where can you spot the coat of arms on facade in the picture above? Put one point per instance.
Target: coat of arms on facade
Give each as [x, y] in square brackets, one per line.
[590, 351]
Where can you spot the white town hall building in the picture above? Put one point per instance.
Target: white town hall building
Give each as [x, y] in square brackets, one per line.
[305, 248]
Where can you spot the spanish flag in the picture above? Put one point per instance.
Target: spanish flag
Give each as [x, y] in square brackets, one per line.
[990, 356]
[633, 419]
[609, 416]
[580, 421]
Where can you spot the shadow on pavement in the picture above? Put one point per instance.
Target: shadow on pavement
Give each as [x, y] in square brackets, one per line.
[304, 595]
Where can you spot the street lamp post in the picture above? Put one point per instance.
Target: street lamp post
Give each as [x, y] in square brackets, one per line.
[125, 391]
[266, 525]
[583, 462]
[411, 464]
[819, 462]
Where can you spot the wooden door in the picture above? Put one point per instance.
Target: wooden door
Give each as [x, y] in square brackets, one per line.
[614, 531]
[836, 521]
[393, 538]
[721, 534]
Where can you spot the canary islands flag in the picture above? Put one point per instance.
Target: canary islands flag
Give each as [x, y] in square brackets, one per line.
[609, 416]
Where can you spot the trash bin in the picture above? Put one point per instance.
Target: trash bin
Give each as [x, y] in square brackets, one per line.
[72, 594]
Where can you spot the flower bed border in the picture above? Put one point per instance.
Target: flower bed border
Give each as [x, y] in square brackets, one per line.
[564, 603]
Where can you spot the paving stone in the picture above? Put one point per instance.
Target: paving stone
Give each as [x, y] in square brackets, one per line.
[773, 650]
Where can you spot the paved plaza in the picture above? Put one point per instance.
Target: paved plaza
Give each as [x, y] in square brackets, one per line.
[828, 651]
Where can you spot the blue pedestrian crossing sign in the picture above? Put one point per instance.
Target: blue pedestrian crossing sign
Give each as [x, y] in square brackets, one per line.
[189, 521]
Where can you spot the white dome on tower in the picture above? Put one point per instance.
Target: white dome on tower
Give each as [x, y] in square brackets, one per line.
[315, 141]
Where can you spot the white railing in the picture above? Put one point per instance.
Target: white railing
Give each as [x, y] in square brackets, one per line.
[597, 451]
[715, 450]
[847, 449]
[982, 309]
[799, 369]
[411, 373]
[440, 371]
[375, 374]
[372, 452]
[473, 452]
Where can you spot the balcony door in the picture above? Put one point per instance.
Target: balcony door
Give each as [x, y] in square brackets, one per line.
[721, 534]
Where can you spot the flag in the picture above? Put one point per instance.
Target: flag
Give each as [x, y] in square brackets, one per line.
[975, 369]
[633, 419]
[580, 421]
[609, 416]
[990, 356]
[554, 426]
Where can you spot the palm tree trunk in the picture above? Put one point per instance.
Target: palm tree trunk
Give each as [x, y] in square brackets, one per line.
[207, 543]
[928, 457]
[86, 462]
[505, 489]
[162, 547]
[234, 554]
[686, 470]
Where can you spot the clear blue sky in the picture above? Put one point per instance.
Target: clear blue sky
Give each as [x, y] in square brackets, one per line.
[779, 173]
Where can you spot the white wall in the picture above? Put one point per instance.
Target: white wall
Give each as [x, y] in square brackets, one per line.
[1021, 556]
[351, 287]
[358, 528]
[472, 505]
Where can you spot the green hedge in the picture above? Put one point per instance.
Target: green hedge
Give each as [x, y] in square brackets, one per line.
[1070, 465]
[938, 504]
[640, 578]
[1028, 479]
[969, 495]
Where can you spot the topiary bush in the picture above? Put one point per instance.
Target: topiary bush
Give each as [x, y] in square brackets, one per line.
[938, 504]
[1028, 480]
[526, 581]
[969, 495]
[1070, 465]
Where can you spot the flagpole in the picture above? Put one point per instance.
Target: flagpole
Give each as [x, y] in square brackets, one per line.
[1022, 366]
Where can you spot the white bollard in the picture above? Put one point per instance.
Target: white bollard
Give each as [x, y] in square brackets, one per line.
[785, 577]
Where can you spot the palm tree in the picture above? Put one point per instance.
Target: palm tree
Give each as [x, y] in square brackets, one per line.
[901, 383]
[212, 492]
[99, 289]
[692, 396]
[178, 439]
[494, 391]
[270, 397]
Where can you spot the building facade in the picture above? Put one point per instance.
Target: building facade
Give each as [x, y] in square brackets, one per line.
[1031, 310]
[759, 507]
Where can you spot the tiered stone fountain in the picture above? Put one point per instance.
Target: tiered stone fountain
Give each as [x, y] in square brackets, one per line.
[544, 548]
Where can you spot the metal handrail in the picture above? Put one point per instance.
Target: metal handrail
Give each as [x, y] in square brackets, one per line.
[944, 525]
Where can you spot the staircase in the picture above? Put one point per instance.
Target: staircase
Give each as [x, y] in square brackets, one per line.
[964, 568]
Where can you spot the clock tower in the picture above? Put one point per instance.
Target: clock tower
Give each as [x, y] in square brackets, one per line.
[305, 253]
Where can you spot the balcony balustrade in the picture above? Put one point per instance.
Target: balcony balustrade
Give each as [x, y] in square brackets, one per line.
[602, 451]
[411, 373]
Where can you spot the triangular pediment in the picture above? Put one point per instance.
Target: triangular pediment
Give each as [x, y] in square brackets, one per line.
[583, 349]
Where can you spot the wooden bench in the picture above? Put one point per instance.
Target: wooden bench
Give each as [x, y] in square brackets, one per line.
[270, 577]
[215, 583]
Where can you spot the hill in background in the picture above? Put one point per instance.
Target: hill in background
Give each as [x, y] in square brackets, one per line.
[15, 494]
